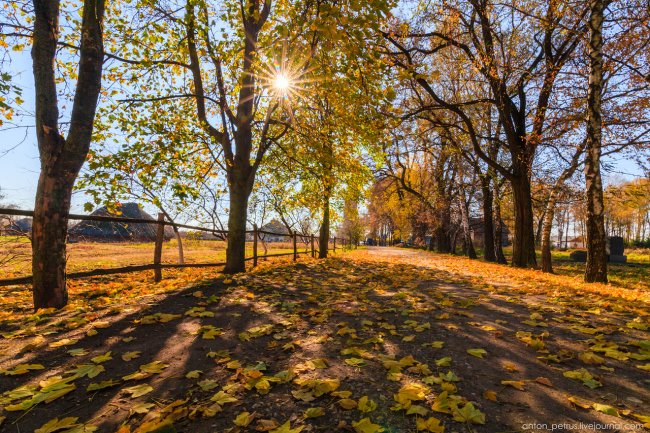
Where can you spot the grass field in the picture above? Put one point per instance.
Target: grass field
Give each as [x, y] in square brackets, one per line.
[85, 256]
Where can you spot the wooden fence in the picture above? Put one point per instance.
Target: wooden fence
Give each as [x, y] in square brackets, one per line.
[157, 266]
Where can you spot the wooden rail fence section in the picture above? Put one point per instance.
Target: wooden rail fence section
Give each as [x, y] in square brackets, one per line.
[157, 266]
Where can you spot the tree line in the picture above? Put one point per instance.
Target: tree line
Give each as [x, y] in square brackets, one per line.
[247, 107]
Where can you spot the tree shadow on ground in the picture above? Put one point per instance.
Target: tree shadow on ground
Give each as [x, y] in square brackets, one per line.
[356, 315]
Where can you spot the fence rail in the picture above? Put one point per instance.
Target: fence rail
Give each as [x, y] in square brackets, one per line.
[157, 266]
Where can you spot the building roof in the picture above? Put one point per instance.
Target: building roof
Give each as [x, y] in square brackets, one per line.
[119, 231]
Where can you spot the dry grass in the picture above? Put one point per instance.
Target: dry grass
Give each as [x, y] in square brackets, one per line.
[85, 256]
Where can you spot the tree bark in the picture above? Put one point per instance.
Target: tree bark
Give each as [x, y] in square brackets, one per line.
[237, 216]
[549, 212]
[547, 226]
[61, 158]
[488, 220]
[324, 233]
[523, 245]
[596, 269]
[498, 228]
[467, 235]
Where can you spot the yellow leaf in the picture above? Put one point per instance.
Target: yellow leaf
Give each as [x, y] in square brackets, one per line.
[153, 367]
[431, 424]
[580, 402]
[416, 409]
[207, 384]
[223, 398]
[590, 358]
[141, 408]
[645, 419]
[64, 342]
[347, 404]
[606, 409]
[90, 370]
[138, 390]
[77, 352]
[479, 353]
[243, 419]
[102, 358]
[366, 426]
[22, 369]
[314, 412]
[366, 405]
[518, 384]
[130, 355]
[355, 362]
[194, 374]
[286, 428]
[490, 395]
[58, 424]
[469, 414]
[101, 385]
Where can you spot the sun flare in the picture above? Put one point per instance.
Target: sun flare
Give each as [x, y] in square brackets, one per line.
[282, 83]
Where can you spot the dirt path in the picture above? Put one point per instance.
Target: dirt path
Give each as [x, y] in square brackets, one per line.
[386, 338]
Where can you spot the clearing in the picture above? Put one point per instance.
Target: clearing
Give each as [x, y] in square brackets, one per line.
[382, 339]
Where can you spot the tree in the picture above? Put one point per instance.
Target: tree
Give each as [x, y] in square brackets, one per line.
[241, 64]
[61, 157]
[515, 62]
[596, 269]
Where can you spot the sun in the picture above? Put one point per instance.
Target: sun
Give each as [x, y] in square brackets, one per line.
[282, 83]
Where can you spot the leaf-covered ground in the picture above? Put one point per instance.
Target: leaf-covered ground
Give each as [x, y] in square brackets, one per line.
[381, 340]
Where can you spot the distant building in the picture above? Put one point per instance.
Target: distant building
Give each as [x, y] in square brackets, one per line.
[114, 231]
[274, 226]
[577, 242]
[11, 227]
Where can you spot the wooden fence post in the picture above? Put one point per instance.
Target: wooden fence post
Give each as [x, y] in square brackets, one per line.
[295, 246]
[157, 251]
[255, 234]
[313, 251]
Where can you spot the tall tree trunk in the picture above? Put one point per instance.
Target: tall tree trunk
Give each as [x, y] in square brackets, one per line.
[523, 245]
[596, 269]
[61, 158]
[468, 245]
[324, 233]
[549, 212]
[498, 227]
[443, 241]
[540, 227]
[488, 220]
[547, 226]
[237, 216]
[49, 233]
